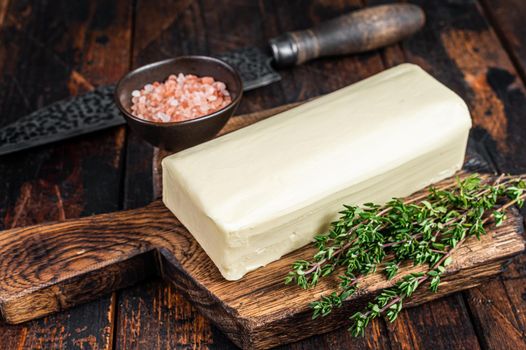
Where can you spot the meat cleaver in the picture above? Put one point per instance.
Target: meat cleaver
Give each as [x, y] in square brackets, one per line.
[358, 31]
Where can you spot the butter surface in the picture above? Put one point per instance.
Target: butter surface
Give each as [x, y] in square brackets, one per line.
[258, 193]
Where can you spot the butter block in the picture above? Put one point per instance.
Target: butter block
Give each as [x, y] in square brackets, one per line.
[258, 193]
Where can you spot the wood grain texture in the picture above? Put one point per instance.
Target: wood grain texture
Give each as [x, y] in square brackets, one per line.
[507, 18]
[436, 325]
[48, 268]
[48, 51]
[462, 49]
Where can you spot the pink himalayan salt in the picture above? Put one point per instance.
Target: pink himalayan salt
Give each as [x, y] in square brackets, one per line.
[179, 98]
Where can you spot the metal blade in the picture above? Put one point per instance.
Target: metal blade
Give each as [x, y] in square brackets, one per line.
[96, 110]
[253, 67]
[64, 119]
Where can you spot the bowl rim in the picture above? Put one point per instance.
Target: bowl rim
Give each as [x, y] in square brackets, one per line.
[151, 65]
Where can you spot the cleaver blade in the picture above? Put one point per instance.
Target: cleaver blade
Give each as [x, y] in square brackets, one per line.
[253, 66]
[96, 109]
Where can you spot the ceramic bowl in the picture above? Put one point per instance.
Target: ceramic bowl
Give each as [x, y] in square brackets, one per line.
[176, 136]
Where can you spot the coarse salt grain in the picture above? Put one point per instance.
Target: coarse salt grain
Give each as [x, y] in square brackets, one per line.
[180, 97]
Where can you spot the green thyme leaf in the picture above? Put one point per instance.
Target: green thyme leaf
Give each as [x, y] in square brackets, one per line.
[422, 232]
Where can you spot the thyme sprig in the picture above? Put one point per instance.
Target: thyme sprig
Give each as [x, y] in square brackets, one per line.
[424, 229]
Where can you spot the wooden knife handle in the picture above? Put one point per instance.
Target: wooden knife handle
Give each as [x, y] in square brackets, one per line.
[358, 31]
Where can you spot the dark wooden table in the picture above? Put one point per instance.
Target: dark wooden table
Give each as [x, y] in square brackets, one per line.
[54, 49]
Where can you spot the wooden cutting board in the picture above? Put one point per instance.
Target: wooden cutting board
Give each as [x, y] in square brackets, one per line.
[51, 267]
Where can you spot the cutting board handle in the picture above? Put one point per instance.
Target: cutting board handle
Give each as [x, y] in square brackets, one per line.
[51, 267]
[358, 31]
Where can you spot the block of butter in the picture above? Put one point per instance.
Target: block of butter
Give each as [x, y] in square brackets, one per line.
[258, 193]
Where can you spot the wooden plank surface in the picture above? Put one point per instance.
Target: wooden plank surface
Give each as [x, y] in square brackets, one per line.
[48, 51]
[34, 74]
[507, 19]
[462, 49]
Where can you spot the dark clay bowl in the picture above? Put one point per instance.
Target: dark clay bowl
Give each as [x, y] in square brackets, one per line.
[179, 135]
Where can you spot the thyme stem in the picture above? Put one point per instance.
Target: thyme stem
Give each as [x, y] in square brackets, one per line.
[425, 229]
